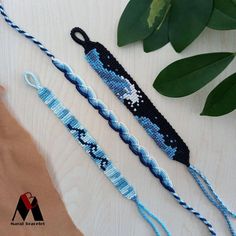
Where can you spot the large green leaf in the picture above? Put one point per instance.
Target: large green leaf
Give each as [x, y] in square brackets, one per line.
[140, 18]
[222, 99]
[223, 16]
[188, 18]
[186, 76]
[159, 38]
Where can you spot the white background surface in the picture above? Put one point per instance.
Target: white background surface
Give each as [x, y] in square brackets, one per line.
[92, 202]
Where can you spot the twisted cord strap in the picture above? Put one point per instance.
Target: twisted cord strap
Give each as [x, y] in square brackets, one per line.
[108, 115]
[95, 152]
[28, 36]
[134, 146]
[212, 196]
[127, 138]
[146, 214]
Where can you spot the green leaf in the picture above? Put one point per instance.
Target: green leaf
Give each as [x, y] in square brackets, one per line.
[140, 18]
[188, 18]
[159, 38]
[223, 16]
[188, 75]
[222, 99]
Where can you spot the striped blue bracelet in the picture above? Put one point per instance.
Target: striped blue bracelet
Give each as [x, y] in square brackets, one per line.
[89, 144]
[108, 115]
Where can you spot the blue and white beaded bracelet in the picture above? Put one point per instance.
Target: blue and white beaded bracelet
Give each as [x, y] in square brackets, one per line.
[89, 144]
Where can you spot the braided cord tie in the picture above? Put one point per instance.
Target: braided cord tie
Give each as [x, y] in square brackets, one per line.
[95, 152]
[211, 195]
[28, 36]
[88, 93]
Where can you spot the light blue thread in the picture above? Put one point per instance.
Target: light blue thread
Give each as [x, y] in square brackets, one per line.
[31, 80]
[146, 213]
[214, 203]
[211, 195]
[210, 188]
[113, 122]
[95, 152]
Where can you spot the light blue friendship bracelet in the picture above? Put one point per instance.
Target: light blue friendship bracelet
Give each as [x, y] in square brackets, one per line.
[95, 152]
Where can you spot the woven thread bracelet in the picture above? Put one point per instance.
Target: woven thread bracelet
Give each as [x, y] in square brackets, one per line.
[108, 115]
[154, 123]
[95, 152]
